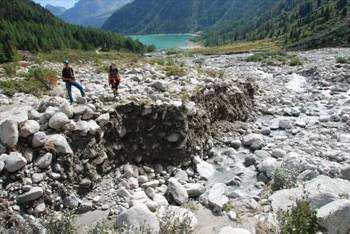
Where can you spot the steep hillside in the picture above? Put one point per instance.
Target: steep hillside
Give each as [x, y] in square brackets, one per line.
[25, 25]
[56, 10]
[148, 16]
[92, 12]
[298, 23]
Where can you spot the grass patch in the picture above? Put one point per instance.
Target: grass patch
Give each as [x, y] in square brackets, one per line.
[343, 60]
[239, 47]
[169, 66]
[300, 219]
[275, 58]
[174, 71]
[37, 82]
[10, 68]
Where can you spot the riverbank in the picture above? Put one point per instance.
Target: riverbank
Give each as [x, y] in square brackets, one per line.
[245, 165]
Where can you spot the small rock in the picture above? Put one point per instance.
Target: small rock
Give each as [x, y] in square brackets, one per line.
[39, 139]
[37, 178]
[58, 120]
[60, 144]
[28, 128]
[33, 194]
[44, 161]
[9, 133]
[194, 190]
[205, 170]
[14, 162]
[177, 191]
[285, 124]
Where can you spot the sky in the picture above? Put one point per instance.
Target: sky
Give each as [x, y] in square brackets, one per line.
[64, 3]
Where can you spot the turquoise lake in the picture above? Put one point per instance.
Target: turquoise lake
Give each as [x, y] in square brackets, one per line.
[165, 41]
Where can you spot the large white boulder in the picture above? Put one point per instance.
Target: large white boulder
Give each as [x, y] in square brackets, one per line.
[321, 191]
[136, 218]
[335, 217]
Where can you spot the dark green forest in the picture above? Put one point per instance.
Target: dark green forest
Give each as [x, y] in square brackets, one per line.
[25, 25]
[297, 23]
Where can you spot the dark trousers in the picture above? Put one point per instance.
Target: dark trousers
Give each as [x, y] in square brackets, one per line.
[69, 85]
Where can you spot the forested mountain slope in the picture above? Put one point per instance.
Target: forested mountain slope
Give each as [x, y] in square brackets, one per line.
[25, 25]
[92, 12]
[298, 23]
[149, 16]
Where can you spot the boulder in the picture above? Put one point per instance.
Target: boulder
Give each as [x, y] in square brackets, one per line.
[205, 169]
[335, 217]
[67, 110]
[60, 144]
[14, 162]
[194, 189]
[39, 139]
[136, 218]
[28, 128]
[320, 191]
[268, 166]
[345, 172]
[177, 191]
[9, 133]
[58, 120]
[33, 194]
[253, 140]
[285, 124]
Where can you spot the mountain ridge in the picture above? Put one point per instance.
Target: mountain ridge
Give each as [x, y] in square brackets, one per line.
[92, 13]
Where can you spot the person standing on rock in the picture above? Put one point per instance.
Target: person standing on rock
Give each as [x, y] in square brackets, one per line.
[69, 79]
[114, 79]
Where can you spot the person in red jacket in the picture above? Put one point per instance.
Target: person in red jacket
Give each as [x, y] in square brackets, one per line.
[114, 79]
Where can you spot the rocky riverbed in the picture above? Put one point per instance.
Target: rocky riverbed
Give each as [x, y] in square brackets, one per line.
[222, 149]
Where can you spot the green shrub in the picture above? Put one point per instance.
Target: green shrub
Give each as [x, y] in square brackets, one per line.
[275, 58]
[61, 225]
[284, 179]
[102, 228]
[295, 61]
[301, 219]
[10, 68]
[175, 71]
[179, 225]
[37, 82]
[342, 59]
